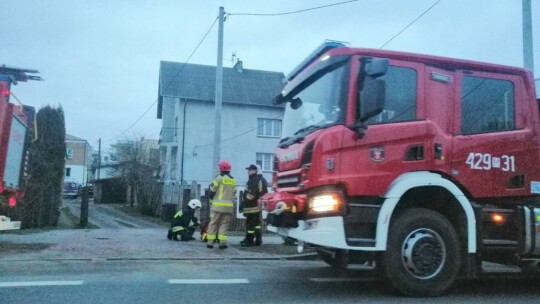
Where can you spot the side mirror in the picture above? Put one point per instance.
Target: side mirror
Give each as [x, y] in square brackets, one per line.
[296, 103]
[279, 99]
[372, 98]
[377, 67]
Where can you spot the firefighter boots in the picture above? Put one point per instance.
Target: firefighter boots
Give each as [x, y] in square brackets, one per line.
[247, 241]
[258, 237]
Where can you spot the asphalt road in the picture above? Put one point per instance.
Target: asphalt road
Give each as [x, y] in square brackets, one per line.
[217, 281]
[107, 216]
[203, 276]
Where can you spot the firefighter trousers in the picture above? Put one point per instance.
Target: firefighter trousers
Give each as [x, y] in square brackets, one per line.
[253, 228]
[218, 227]
[185, 233]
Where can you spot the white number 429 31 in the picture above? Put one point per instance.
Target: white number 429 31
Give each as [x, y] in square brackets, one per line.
[485, 161]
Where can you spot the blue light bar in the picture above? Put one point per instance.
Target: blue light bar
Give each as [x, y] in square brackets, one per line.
[327, 45]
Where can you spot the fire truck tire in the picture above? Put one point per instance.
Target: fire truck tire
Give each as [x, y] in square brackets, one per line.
[336, 259]
[423, 255]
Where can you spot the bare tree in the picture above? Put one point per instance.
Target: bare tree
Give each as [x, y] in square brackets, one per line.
[138, 165]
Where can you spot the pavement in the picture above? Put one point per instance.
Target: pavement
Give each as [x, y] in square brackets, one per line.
[132, 244]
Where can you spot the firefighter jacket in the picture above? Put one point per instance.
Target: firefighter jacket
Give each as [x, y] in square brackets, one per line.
[184, 218]
[222, 191]
[255, 188]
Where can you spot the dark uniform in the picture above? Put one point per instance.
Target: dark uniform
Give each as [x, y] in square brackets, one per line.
[183, 224]
[255, 188]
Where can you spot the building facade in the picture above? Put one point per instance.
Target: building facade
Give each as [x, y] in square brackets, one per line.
[250, 123]
[78, 155]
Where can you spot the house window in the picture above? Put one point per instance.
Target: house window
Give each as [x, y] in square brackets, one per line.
[265, 161]
[68, 172]
[487, 105]
[69, 153]
[268, 127]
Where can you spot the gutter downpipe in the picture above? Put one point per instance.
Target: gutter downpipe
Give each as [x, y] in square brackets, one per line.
[183, 141]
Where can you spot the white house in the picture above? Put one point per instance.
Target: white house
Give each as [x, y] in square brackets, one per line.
[78, 154]
[250, 123]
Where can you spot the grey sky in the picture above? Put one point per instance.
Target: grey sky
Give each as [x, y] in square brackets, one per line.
[100, 58]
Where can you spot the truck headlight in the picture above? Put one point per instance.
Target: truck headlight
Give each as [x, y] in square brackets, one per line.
[325, 203]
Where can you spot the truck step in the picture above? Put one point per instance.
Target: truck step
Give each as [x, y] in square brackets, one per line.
[7, 224]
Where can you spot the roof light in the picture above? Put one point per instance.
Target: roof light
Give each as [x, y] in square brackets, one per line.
[323, 48]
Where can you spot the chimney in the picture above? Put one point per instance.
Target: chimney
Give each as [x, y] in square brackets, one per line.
[238, 66]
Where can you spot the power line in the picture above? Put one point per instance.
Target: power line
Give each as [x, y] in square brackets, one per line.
[168, 84]
[290, 13]
[240, 134]
[410, 23]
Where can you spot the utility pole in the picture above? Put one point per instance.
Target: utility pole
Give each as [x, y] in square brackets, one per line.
[99, 158]
[528, 60]
[219, 93]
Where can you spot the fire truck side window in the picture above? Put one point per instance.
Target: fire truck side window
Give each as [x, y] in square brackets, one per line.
[487, 105]
[401, 84]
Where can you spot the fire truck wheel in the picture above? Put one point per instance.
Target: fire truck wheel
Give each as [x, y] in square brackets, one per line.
[334, 258]
[422, 258]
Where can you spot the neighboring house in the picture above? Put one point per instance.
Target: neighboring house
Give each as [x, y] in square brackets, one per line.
[104, 168]
[107, 167]
[250, 123]
[78, 154]
[110, 185]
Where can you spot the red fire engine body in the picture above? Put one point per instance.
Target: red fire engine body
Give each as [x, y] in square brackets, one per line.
[424, 165]
[14, 125]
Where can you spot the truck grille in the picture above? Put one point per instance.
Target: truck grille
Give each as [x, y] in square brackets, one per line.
[288, 181]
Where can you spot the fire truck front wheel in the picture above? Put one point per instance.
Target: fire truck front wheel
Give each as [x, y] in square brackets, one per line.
[423, 253]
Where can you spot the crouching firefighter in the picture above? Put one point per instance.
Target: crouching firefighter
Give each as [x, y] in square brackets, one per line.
[184, 222]
[255, 188]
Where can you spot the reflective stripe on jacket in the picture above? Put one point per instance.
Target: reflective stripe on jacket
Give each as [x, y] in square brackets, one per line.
[224, 187]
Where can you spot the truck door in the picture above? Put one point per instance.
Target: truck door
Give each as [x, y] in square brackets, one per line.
[491, 152]
[394, 141]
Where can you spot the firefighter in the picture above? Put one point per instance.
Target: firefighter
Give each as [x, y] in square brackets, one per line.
[255, 188]
[184, 222]
[222, 191]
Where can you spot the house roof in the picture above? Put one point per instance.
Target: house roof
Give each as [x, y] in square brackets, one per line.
[198, 82]
[73, 138]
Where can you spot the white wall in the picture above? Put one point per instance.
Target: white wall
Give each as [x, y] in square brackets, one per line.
[77, 174]
[198, 149]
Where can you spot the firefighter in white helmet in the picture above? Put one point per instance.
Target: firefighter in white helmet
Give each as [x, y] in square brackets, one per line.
[184, 222]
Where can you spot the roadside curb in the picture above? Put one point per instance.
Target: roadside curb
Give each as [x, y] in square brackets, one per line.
[294, 257]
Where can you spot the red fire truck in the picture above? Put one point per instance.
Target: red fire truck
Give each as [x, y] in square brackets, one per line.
[425, 166]
[14, 126]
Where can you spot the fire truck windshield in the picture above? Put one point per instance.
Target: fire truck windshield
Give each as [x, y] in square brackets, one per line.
[320, 104]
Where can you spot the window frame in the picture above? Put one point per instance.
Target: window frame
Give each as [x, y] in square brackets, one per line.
[263, 122]
[261, 162]
[517, 87]
[417, 104]
[69, 153]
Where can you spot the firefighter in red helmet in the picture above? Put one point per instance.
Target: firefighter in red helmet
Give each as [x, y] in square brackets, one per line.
[222, 191]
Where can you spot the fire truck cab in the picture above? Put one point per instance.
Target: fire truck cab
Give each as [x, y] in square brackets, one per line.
[425, 165]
